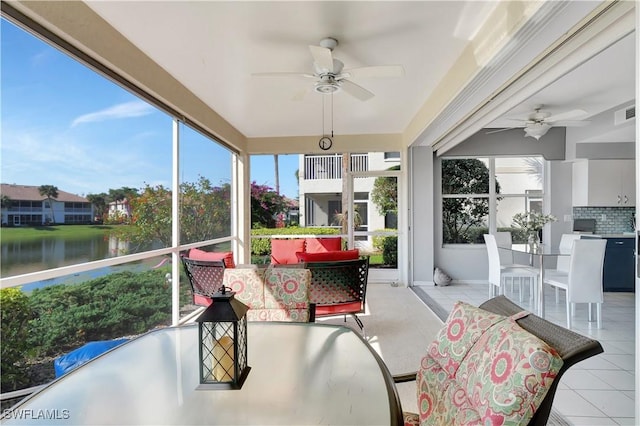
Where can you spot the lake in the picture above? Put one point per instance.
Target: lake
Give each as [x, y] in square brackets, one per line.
[22, 257]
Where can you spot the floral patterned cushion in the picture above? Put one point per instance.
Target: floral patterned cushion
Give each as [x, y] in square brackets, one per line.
[500, 378]
[248, 285]
[461, 331]
[272, 294]
[285, 315]
[286, 288]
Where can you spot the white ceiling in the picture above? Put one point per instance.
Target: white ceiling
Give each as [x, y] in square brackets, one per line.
[213, 48]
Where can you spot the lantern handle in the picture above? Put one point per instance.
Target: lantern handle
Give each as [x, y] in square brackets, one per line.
[223, 289]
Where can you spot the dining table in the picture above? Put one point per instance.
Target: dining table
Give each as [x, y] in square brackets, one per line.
[541, 252]
[301, 373]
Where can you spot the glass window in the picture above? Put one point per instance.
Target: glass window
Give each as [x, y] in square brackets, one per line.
[466, 195]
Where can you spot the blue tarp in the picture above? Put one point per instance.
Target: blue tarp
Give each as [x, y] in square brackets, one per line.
[67, 362]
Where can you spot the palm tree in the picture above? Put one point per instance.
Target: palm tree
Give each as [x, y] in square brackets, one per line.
[51, 192]
[99, 201]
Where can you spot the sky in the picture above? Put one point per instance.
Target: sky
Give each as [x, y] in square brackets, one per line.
[62, 124]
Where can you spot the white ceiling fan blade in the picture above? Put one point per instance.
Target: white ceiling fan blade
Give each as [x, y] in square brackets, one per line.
[322, 57]
[567, 115]
[499, 130]
[356, 91]
[377, 71]
[283, 74]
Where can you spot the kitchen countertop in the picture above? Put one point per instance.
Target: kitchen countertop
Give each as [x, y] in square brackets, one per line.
[623, 235]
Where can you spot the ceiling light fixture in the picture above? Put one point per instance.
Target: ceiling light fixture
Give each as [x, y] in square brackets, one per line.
[536, 130]
[327, 85]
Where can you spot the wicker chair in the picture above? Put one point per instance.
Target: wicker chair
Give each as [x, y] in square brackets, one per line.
[339, 287]
[570, 346]
[205, 277]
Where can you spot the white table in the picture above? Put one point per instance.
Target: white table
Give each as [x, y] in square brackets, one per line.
[541, 251]
[300, 374]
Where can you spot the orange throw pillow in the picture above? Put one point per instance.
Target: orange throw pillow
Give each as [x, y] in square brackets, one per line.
[225, 256]
[328, 256]
[283, 252]
[322, 245]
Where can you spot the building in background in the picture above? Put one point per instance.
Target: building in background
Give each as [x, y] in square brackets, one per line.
[23, 205]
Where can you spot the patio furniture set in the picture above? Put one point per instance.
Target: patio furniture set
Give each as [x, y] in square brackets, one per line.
[492, 364]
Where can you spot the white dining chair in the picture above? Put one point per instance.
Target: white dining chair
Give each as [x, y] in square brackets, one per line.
[562, 265]
[583, 282]
[504, 241]
[498, 273]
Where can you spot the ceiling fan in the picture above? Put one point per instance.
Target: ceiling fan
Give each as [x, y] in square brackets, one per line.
[330, 75]
[539, 122]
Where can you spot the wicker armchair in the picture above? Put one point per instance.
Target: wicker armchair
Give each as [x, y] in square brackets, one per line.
[205, 277]
[339, 287]
[564, 349]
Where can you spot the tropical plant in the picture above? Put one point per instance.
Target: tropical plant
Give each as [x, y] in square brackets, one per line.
[100, 204]
[460, 215]
[385, 193]
[266, 205]
[531, 221]
[342, 218]
[51, 192]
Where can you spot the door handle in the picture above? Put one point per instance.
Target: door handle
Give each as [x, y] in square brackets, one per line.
[626, 199]
[619, 199]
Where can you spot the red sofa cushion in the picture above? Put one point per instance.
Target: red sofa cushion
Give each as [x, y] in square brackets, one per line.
[321, 245]
[225, 256]
[328, 256]
[283, 252]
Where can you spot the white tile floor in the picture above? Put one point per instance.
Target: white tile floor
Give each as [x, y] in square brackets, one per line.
[599, 390]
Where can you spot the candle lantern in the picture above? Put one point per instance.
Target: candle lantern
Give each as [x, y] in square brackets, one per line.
[222, 330]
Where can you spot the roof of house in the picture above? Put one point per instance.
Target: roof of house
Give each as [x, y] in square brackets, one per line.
[31, 193]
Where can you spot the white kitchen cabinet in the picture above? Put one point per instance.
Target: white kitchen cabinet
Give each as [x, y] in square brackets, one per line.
[604, 183]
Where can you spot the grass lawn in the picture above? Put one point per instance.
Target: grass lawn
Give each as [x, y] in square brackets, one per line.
[68, 232]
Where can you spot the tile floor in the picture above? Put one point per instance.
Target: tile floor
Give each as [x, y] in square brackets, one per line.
[597, 391]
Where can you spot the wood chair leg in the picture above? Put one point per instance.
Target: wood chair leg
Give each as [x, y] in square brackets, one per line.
[568, 314]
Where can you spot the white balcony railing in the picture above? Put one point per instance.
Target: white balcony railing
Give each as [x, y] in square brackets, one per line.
[330, 166]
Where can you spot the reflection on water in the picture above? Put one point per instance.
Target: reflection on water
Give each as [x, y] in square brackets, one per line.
[23, 257]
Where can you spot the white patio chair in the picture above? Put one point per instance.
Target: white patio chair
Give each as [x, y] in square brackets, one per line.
[504, 241]
[583, 283]
[498, 273]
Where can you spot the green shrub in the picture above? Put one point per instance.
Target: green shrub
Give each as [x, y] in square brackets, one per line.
[378, 240]
[14, 316]
[390, 251]
[116, 305]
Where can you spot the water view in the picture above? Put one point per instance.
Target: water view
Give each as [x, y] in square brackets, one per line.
[37, 254]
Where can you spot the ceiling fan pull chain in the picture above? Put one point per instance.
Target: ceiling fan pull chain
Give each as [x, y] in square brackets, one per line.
[332, 115]
[322, 116]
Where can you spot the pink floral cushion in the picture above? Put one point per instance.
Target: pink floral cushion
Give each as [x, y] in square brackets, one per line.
[272, 294]
[497, 376]
[461, 331]
[248, 285]
[287, 288]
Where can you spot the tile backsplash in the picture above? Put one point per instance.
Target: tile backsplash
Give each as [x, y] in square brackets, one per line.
[618, 219]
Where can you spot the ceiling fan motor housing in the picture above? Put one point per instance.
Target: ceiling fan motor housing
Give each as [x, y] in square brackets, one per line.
[327, 85]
